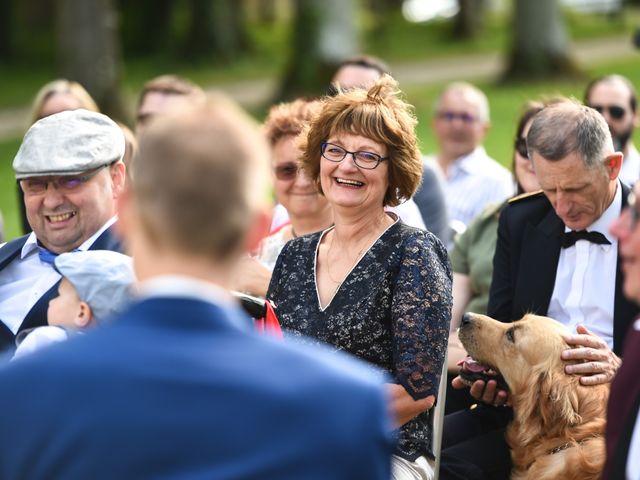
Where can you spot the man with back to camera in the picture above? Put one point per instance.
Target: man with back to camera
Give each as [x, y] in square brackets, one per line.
[179, 386]
[70, 170]
[614, 97]
[555, 257]
[473, 180]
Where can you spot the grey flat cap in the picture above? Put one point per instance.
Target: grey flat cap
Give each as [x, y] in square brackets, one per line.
[102, 278]
[69, 143]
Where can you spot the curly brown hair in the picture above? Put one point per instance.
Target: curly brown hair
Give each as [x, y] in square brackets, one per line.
[378, 113]
[290, 118]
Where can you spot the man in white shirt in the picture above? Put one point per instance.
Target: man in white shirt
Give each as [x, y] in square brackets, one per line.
[614, 97]
[473, 180]
[70, 170]
[554, 256]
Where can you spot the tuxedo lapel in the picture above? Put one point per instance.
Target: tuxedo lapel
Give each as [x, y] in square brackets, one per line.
[538, 265]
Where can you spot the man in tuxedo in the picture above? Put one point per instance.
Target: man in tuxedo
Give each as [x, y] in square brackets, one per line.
[623, 421]
[70, 171]
[554, 256]
[179, 386]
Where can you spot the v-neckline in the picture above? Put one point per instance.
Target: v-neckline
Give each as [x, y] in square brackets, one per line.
[353, 267]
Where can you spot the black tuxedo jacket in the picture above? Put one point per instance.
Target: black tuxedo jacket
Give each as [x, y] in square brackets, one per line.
[526, 261]
[37, 316]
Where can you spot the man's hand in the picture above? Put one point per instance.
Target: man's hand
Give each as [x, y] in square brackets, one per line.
[486, 392]
[599, 365]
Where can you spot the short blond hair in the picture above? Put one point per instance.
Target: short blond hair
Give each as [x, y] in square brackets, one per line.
[380, 114]
[61, 86]
[200, 177]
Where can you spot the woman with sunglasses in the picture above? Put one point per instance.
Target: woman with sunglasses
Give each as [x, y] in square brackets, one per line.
[472, 254]
[371, 285]
[308, 211]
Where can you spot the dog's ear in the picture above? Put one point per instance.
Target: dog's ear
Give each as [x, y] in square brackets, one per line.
[559, 402]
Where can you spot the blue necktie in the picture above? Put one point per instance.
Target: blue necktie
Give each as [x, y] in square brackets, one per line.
[46, 256]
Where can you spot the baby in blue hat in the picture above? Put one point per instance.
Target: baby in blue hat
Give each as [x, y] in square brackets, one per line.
[95, 286]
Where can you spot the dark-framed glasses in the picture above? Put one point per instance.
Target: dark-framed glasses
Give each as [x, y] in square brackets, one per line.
[64, 183]
[366, 160]
[615, 111]
[521, 147]
[286, 171]
[450, 116]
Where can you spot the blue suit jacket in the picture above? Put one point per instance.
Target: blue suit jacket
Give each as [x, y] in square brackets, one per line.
[175, 388]
[37, 316]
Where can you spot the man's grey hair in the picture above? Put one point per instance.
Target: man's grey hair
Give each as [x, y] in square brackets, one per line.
[480, 99]
[568, 127]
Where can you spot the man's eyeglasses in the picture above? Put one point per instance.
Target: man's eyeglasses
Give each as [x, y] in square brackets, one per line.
[286, 171]
[521, 147]
[366, 160]
[65, 183]
[616, 112]
[451, 116]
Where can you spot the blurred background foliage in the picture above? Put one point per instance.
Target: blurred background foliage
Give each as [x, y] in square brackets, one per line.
[262, 51]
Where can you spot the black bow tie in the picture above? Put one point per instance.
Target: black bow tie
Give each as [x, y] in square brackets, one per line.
[569, 239]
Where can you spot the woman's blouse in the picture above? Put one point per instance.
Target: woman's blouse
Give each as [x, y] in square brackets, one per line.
[393, 310]
[472, 255]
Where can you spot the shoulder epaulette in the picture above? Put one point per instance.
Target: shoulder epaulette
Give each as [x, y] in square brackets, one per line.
[524, 196]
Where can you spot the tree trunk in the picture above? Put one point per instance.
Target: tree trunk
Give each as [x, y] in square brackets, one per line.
[7, 20]
[89, 51]
[540, 45]
[324, 35]
[470, 18]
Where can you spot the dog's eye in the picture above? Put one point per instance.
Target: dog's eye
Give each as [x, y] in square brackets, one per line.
[510, 336]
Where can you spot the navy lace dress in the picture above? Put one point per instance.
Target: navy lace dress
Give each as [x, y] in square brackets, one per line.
[393, 310]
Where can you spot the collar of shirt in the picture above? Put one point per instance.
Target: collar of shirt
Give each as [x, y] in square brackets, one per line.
[183, 286]
[31, 245]
[469, 164]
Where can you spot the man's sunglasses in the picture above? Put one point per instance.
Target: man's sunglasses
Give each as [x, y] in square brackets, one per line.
[616, 112]
[65, 183]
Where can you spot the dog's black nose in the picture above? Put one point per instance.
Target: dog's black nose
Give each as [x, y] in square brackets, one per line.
[467, 318]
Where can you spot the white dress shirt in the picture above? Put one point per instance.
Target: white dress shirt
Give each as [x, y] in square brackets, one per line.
[630, 171]
[472, 182]
[27, 278]
[584, 290]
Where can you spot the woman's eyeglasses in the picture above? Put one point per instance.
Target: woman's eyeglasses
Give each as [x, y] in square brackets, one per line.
[616, 112]
[366, 160]
[64, 184]
[521, 147]
[286, 171]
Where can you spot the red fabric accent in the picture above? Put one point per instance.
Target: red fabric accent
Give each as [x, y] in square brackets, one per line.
[270, 324]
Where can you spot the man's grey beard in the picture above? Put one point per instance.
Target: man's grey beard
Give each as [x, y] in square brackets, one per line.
[620, 140]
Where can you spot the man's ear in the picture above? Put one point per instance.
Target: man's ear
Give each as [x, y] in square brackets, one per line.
[614, 163]
[84, 315]
[118, 172]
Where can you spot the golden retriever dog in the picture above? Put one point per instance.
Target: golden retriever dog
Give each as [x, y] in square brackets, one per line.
[558, 426]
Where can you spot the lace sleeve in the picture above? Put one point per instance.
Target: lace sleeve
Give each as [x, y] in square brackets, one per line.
[420, 314]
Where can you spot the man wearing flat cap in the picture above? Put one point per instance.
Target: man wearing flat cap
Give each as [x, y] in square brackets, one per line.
[70, 170]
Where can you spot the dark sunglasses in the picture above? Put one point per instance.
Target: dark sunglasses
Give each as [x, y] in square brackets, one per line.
[521, 147]
[616, 112]
[286, 171]
[451, 116]
[64, 184]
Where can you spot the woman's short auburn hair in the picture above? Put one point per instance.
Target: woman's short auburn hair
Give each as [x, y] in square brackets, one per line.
[287, 119]
[380, 114]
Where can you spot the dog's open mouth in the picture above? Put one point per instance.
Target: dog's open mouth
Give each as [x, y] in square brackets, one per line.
[472, 370]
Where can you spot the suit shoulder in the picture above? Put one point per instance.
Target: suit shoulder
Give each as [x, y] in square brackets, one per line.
[529, 196]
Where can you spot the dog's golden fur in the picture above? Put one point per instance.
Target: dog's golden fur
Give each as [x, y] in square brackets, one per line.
[558, 426]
